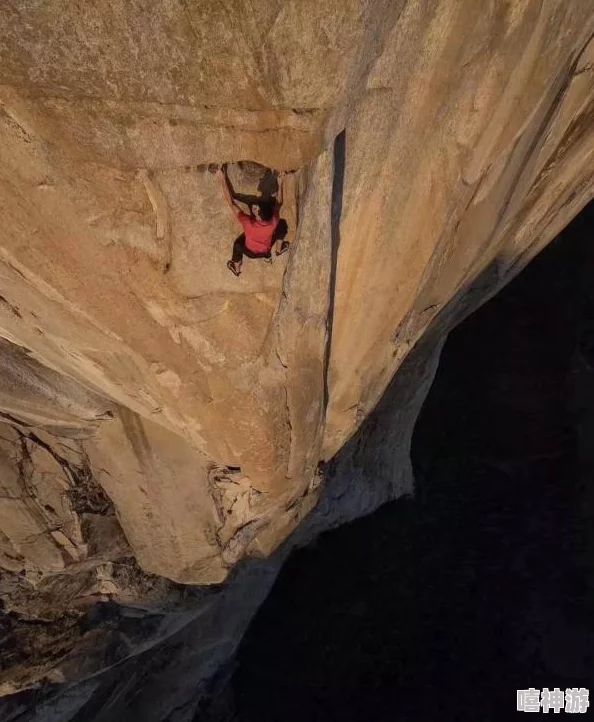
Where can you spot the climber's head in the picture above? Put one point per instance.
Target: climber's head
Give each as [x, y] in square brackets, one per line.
[264, 210]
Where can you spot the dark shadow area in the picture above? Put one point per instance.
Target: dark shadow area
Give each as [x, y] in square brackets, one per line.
[267, 189]
[442, 606]
[268, 185]
[280, 232]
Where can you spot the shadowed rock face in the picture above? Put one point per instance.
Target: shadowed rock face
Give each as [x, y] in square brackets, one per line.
[440, 605]
[436, 147]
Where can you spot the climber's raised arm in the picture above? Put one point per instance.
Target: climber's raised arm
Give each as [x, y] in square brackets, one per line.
[231, 202]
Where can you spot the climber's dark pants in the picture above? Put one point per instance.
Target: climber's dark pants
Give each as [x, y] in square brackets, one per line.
[240, 250]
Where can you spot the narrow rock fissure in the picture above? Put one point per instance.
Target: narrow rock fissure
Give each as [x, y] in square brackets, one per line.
[335, 216]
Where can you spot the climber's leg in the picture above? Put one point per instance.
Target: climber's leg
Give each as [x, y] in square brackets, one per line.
[234, 265]
[280, 234]
[234, 268]
[239, 251]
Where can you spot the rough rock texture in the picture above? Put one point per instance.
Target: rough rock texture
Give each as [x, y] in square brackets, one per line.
[437, 146]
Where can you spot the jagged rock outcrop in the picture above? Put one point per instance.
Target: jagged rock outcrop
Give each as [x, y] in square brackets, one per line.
[435, 147]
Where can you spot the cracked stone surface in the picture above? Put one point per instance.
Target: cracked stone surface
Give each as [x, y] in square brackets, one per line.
[159, 414]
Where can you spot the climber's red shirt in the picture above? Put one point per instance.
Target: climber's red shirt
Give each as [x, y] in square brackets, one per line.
[258, 234]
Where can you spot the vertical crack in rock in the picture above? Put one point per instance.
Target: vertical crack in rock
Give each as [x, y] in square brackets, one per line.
[285, 367]
[290, 428]
[335, 216]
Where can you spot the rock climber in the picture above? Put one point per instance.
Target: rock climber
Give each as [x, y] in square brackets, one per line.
[262, 227]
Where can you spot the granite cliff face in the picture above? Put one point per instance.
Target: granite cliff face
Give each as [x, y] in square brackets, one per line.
[162, 419]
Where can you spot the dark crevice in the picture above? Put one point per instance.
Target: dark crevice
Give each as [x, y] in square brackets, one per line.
[335, 216]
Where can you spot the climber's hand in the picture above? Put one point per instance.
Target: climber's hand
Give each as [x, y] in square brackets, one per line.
[219, 174]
